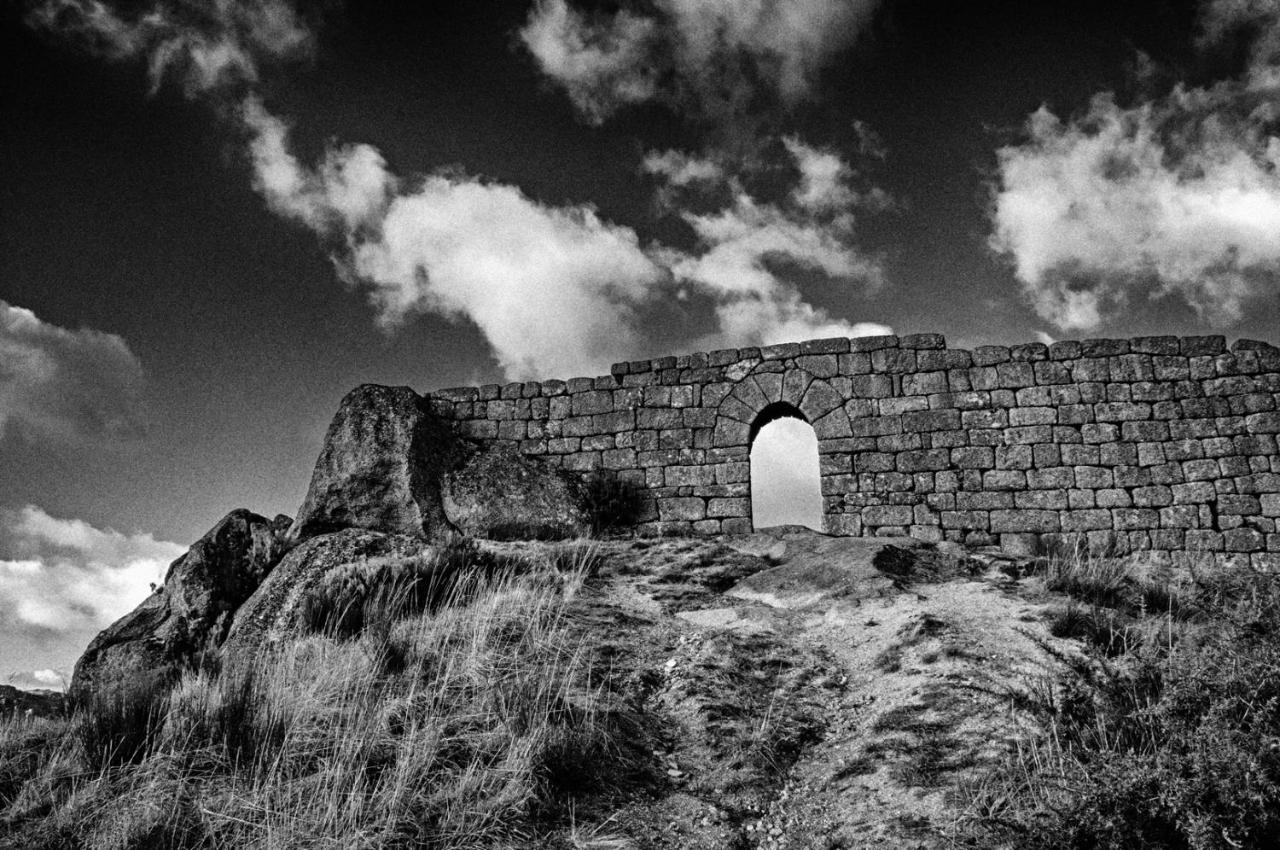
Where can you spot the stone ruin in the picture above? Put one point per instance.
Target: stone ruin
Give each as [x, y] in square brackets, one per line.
[1152, 443]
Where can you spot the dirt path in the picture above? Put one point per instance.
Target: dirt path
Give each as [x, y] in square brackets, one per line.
[813, 692]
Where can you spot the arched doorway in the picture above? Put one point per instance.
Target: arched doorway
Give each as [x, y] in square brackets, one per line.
[785, 485]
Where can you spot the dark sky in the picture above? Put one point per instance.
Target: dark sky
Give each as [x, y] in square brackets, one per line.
[136, 215]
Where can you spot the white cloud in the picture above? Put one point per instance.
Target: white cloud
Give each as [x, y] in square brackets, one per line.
[600, 65]
[350, 191]
[63, 580]
[741, 247]
[81, 384]
[1177, 196]
[554, 290]
[205, 44]
[707, 56]
[680, 169]
[46, 679]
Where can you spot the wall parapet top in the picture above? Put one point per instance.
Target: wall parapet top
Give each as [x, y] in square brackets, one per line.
[983, 355]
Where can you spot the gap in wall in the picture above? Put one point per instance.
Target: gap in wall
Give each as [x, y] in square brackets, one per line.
[785, 488]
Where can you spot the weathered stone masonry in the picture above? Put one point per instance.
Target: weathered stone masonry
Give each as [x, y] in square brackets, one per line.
[1160, 443]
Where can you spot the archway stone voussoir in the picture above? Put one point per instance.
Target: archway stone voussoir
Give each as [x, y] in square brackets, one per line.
[736, 409]
[770, 384]
[820, 399]
[749, 393]
[833, 426]
[795, 384]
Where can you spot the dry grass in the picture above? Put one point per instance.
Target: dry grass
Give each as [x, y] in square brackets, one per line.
[1164, 733]
[473, 724]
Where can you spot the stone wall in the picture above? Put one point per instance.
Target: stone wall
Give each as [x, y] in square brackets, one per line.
[1159, 443]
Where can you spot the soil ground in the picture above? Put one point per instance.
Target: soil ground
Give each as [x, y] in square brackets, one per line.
[806, 691]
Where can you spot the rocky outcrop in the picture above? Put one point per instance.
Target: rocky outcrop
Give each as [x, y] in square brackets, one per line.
[383, 458]
[274, 611]
[191, 613]
[503, 494]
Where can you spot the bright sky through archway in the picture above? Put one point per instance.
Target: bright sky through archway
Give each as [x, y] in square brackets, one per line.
[785, 489]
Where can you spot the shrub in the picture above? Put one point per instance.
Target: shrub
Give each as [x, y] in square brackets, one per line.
[378, 593]
[490, 734]
[612, 504]
[1172, 740]
[117, 724]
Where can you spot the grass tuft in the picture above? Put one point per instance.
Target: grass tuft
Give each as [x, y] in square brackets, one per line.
[485, 727]
[1164, 733]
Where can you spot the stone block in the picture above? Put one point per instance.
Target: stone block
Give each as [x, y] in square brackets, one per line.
[1112, 498]
[1055, 500]
[893, 361]
[1077, 454]
[990, 355]
[1269, 504]
[1263, 423]
[830, 345]
[1029, 352]
[1156, 496]
[1179, 516]
[898, 442]
[1015, 375]
[582, 461]
[1047, 454]
[1085, 520]
[872, 343]
[730, 432]
[1243, 540]
[819, 365]
[924, 383]
[1201, 540]
[965, 520]
[1104, 347]
[1132, 476]
[1200, 470]
[685, 509]
[618, 459]
[1118, 454]
[1004, 479]
[876, 426]
[833, 426]
[977, 419]
[1121, 411]
[1131, 367]
[973, 457]
[1237, 505]
[1154, 345]
[923, 341]
[1067, 349]
[1130, 519]
[931, 420]
[843, 524]
[981, 500]
[1033, 521]
[879, 515]
[513, 430]
[724, 508]
[909, 404]
[1033, 416]
[922, 460]
[871, 386]
[1028, 434]
[1050, 478]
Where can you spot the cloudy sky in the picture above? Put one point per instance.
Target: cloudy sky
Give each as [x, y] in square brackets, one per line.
[217, 217]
